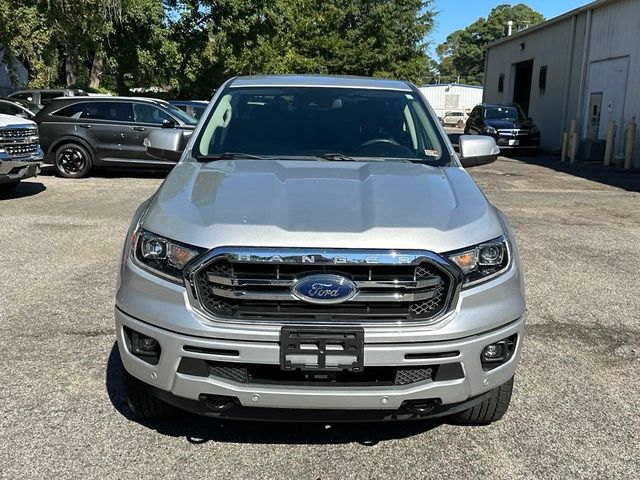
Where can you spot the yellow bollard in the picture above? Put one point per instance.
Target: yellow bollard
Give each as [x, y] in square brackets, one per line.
[611, 135]
[573, 146]
[629, 144]
[573, 127]
[565, 145]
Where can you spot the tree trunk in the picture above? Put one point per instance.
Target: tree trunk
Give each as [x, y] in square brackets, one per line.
[96, 71]
[70, 70]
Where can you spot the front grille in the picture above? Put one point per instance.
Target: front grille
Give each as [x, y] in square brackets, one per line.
[513, 132]
[17, 133]
[20, 150]
[229, 286]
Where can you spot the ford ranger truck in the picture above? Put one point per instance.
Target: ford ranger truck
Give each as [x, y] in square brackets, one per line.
[20, 153]
[319, 253]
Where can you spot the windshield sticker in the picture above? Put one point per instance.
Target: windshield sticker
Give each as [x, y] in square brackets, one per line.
[431, 153]
[410, 97]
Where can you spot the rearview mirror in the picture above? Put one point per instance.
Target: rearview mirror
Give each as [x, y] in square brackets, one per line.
[477, 150]
[164, 144]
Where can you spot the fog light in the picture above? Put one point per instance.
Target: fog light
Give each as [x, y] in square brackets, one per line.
[143, 347]
[495, 351]
[498, 353]
[146, 344]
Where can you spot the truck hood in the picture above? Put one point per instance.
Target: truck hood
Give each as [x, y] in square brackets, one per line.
[317, 204]
[13, 121]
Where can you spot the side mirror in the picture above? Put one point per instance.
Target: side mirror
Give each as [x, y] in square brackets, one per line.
[164, 144]
[166, 123]
[477, 150]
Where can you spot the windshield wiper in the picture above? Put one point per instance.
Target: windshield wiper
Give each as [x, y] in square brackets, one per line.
[339, 157]
[228, 156]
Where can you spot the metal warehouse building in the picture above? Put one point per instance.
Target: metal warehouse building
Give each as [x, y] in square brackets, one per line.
[583, 65]
[450, 97]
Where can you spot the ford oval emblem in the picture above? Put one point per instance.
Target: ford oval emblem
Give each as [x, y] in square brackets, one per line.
[324, 288]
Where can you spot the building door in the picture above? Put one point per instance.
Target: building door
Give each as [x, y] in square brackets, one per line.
[607, 78]
[595, 111]
[522, 84]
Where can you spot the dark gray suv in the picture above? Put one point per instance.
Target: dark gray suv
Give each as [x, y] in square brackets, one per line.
[79, 133]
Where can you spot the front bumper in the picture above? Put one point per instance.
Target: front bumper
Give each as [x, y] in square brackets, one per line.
[190, 391]
[519, 142]
[14, 169]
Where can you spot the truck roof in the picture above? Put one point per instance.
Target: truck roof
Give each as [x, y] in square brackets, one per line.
[335, 81]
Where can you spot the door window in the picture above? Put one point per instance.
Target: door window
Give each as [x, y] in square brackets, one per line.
[24, 96]
[150, 114]
[112, 111]
[46, 97]
[72, 111]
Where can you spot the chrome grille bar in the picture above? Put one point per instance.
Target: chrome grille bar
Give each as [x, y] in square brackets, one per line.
[286, 296]
[263, 282]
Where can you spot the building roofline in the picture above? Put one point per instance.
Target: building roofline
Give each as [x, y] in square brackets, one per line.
[564, 16]
[430, 85]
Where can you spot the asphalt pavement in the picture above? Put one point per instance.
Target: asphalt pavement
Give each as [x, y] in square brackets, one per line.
[576, 406]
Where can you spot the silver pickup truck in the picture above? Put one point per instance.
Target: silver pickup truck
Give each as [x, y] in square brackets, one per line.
[20, 153]
[319, 253]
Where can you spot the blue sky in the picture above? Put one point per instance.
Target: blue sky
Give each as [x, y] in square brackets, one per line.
[457, 14]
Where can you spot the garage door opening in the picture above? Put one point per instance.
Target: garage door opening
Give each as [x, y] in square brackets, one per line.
[522, 84]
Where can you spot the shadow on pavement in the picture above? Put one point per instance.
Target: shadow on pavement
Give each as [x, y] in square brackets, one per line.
[24, 189]
[613, 176]
[198, 429]
[49, 171]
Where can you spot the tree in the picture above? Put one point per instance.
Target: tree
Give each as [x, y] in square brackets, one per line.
[192, 46]
[358, 37]
[462, 54]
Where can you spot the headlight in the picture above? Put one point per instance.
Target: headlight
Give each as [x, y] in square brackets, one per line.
[164, 257]
[490, 130]
[482, 262]
[535, 131]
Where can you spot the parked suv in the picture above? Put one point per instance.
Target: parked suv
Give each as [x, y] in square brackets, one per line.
[44, 96]
[507, 124]
[319, 253]
[20, 154]
[79, 133]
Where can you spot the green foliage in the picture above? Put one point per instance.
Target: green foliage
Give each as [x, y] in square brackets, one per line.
[462, 54]
[192, 46]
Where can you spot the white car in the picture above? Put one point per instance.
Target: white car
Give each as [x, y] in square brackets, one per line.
[455, 118]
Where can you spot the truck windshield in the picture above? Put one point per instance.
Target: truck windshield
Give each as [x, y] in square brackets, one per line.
[321, 122]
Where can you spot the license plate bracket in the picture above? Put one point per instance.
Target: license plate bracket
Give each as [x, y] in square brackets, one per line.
[322, 349]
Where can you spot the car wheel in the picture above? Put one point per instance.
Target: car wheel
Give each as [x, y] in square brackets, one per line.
[489, 410]
[7, 187]
[72, 161]
[141, 403]
[460, 124]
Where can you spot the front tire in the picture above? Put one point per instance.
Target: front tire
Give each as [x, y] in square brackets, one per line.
[72, 161]
[141, 403]
[490, 409]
